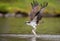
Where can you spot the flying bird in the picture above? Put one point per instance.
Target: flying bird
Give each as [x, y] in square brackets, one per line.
[36, 15]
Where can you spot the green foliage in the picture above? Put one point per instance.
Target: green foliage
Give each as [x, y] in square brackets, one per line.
[53, 5]
[3, 8]
[7, 0]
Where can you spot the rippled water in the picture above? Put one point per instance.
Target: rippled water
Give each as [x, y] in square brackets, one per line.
[22, 39]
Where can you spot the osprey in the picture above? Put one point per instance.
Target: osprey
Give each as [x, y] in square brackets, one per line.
[36, 15]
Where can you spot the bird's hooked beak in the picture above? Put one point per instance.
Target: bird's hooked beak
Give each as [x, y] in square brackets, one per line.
[28, 22]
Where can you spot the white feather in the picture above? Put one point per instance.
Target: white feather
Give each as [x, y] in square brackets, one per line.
[33, 23]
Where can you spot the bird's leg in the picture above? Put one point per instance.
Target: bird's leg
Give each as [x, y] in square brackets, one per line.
[34, 31]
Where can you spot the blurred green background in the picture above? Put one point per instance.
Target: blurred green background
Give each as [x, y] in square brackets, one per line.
[24, 5]
[51, 25]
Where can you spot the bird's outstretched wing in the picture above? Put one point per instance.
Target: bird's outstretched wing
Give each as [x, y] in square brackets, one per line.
[35, 7]
[35, 14]
[40, 12]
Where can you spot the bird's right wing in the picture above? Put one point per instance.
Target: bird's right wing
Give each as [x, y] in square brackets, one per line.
[35, 7]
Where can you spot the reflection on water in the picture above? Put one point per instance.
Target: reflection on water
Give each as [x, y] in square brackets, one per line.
[12, 39]
[12, 25]
[22, 39]
[3, 25]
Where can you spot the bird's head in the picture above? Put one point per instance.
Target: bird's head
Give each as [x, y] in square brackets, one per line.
[27, 22]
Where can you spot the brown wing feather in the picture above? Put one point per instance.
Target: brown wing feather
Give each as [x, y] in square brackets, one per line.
[33, 12]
